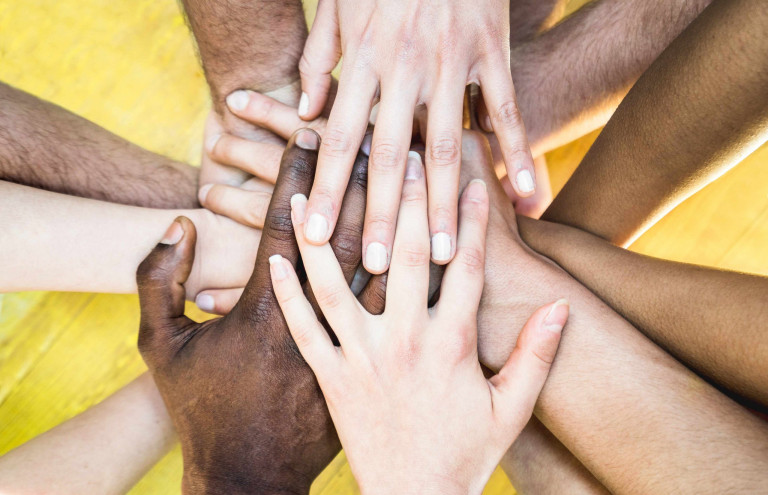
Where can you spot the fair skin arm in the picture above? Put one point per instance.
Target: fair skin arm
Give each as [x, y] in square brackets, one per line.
[712, 79]
[406, 392]
[704, 316]
[45, 146]
[98, 245]
[407, 54]
[629, 412]
[106, 449]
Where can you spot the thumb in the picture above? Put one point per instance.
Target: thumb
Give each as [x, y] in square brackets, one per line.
[322, 52]
[517, 386]
[160, 278]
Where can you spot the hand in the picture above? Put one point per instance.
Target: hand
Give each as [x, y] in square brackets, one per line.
[224, 254]
[414, 53]
[247, 409]
[405, 390]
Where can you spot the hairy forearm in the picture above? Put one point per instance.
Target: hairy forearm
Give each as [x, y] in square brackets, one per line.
[53, 241]
[44, 146]
[537, 463]
[247, 44]
[710, 319]
[697, 111]
[570, 79]
[106, 449]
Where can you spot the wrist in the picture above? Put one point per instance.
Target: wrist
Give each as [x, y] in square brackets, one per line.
[198, 482]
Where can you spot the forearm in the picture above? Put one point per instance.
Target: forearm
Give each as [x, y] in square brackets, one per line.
[710, 319]
[570, 79]
[106, 449]
[697, 111]
[635, 417]
[247, 44]
[44, 146]
[537, 463]
[53, 241]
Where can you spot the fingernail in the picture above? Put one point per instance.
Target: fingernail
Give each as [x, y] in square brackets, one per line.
[374, 114]
[277, 267]
[524, 181]
[557, 316]
[487, 124]
[205, 302]
[238, 100]
[203, 193]
[210, 143]
[441, 247]
[365, 146]
[413, 167]
[307, 140]
[303, 104]
[476, 190]
[317, 228]
[376, 257]
[298, 208]
[173, 235]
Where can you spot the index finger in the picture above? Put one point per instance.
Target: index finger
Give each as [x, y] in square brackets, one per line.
[343, 134]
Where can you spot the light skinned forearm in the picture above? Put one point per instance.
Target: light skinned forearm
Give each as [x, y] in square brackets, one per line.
[712, 320]
[247, 44]
[45, 146]
[571, 78]
[698, 110]
[57, 242]
[106, 449]
[538, 464]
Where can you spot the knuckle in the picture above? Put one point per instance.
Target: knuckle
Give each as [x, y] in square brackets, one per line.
[460, 343]
[472, 258]
[278, 225]
[336, 142]
[386, 157]
[413, 193]
[346, 245]
[509, 115]
[376, 295]
[150, 274]
[380, 222]
[407, 349]
[413, 254]
[444, 152]
[329, 297]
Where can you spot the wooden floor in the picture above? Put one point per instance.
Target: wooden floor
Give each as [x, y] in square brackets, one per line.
[130, 67]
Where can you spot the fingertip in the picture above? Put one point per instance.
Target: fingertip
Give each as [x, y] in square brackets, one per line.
[238, 100]
[303, 109]
[556, 317]
[298, 208]
[525, 184]
[306, 139]
[173, 234]
[205, 302]
[476, 191]
[277, 268]
[202, 194]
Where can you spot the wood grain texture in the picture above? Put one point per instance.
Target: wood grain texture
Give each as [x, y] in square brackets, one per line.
[131, 67]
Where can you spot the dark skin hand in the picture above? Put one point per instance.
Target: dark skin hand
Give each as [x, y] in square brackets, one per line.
[248, 410]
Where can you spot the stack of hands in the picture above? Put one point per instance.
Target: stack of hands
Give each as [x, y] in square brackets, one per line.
[399, 379]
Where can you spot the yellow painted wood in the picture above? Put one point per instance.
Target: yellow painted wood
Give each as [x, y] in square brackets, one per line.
[131, 67]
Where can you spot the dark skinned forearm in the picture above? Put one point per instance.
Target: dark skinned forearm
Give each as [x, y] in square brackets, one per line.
[700, 108]
[47, 147]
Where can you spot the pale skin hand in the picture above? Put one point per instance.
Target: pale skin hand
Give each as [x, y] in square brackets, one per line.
[60, 242]
[406, 392]
[105, 450]
[408, 52]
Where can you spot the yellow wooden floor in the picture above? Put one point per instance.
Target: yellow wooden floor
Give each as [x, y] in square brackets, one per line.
[130, 67]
